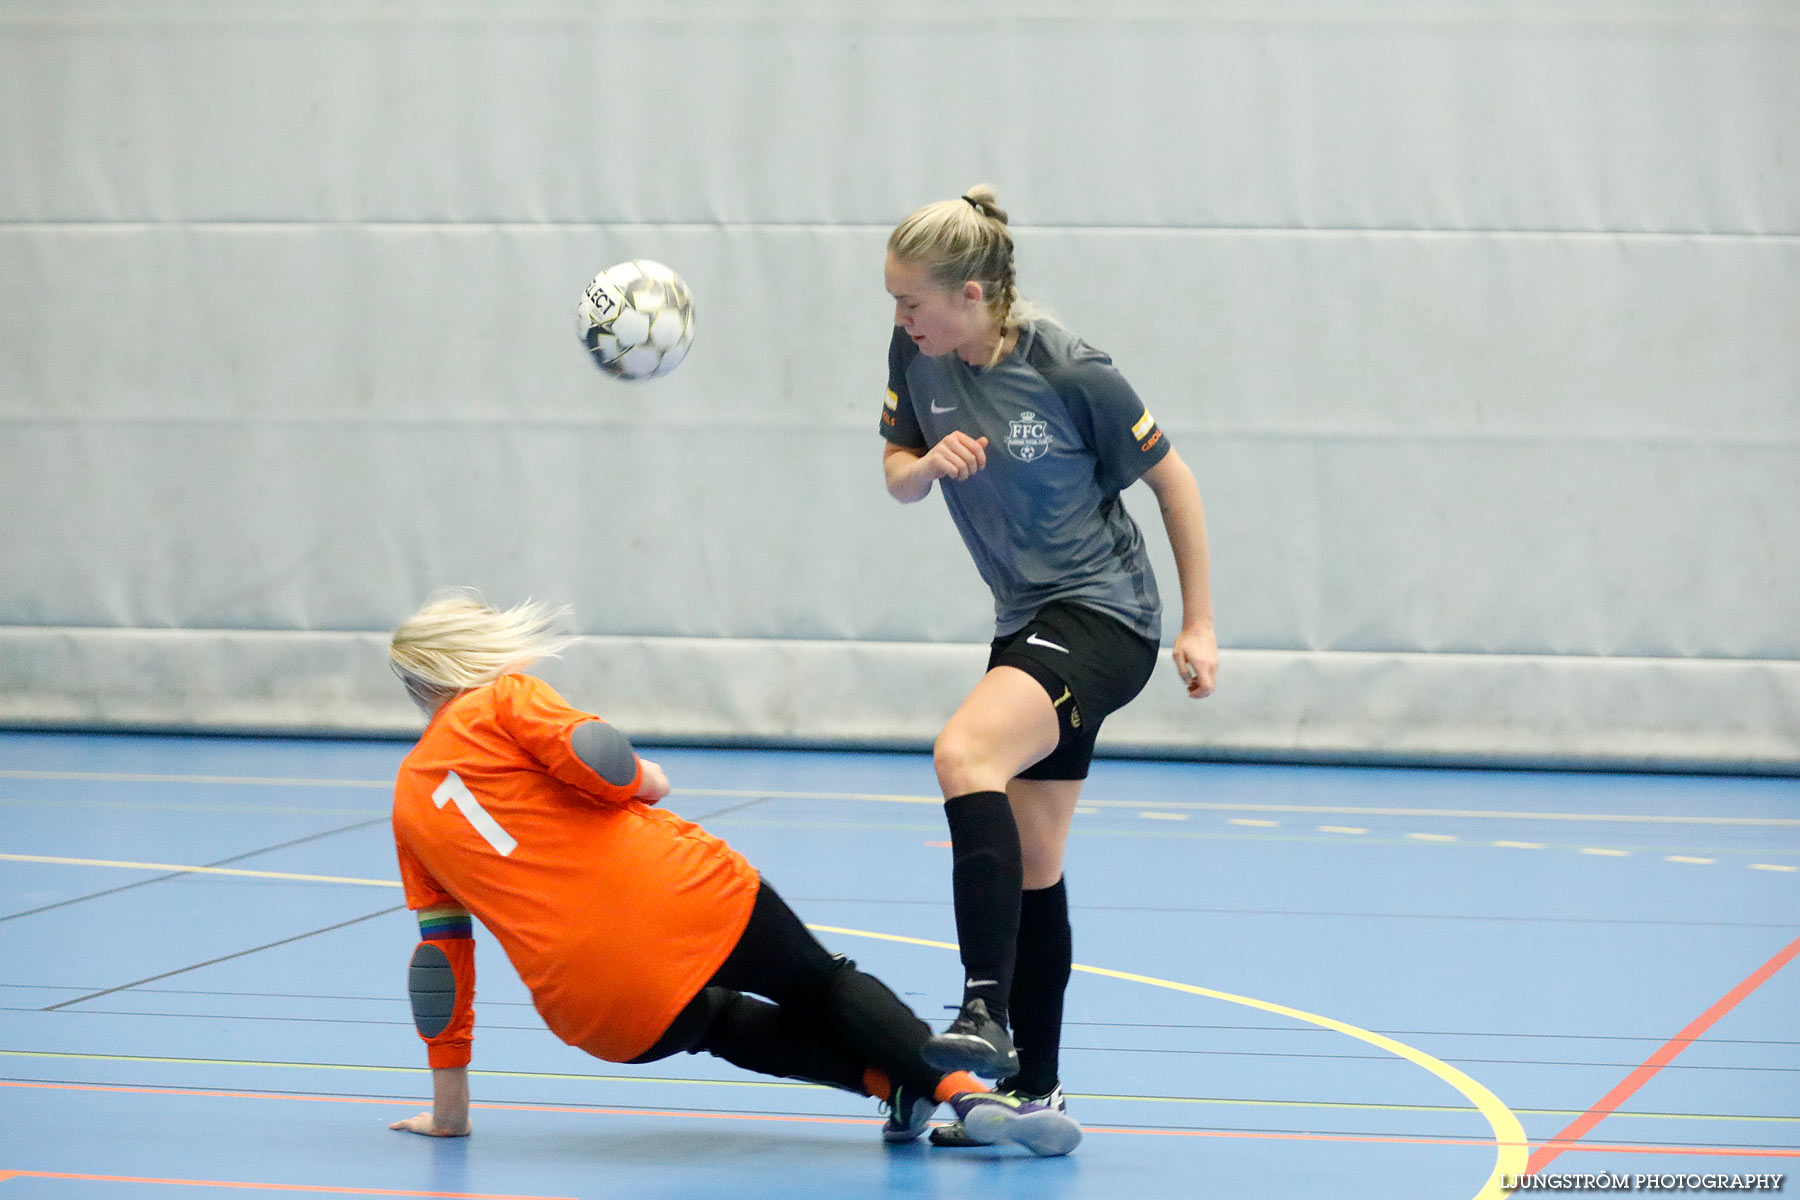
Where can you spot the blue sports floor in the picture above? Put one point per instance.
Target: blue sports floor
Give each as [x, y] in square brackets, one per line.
[1295, 983]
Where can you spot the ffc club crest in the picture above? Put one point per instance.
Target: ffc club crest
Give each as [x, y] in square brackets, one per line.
[1029, 438]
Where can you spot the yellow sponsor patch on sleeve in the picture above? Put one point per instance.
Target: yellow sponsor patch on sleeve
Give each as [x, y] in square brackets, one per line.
[893, 401]
[1145, 424]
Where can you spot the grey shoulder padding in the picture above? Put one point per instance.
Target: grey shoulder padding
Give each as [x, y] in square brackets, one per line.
[606, 750]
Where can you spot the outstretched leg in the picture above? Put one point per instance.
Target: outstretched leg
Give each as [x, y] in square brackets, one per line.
[830, 1023]
[757, 1036]
[778, 957]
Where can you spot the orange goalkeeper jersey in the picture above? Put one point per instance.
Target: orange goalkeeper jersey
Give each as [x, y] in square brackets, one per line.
[614, 913]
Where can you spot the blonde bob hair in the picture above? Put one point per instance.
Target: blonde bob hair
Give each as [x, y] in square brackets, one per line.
[458, 641]
[963, 240]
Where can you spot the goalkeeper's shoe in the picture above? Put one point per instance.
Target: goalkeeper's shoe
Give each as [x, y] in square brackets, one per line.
[908, 1114]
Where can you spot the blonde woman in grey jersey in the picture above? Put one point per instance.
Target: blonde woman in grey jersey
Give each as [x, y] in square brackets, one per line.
[1030, 434]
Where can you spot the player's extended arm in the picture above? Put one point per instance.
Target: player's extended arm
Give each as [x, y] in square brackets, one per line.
[1196, 650]
[441, 983]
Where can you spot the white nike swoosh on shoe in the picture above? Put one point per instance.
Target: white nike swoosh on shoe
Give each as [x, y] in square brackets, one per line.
[936, 409]
[1035, 640]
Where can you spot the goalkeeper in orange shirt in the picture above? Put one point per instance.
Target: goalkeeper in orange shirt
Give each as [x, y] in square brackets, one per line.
[639, 934]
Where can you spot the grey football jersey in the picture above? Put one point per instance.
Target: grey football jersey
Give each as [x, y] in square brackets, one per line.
[1066, 434]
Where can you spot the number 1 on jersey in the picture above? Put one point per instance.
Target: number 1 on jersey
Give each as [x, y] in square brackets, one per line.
[453, 788]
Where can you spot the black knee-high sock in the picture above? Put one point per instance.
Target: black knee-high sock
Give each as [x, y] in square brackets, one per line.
[1046, 950]
[985, 880]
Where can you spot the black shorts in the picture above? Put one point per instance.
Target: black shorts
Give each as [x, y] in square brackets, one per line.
[1090, 664]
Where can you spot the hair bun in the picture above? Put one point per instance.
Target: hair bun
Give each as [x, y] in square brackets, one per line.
[983, 200]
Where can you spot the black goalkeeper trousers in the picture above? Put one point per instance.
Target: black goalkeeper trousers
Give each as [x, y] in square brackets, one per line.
[822, 1020]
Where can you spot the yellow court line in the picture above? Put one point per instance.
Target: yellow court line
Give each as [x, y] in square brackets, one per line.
[1509, 1136]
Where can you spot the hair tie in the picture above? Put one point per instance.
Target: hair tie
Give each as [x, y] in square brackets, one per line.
[973, 203]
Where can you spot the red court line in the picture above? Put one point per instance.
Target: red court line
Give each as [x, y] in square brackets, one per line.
[1548, 1151]
[804, 1119]
[1272, 1135]
[263, 1187]
[391, 1103]
[1700, 1151]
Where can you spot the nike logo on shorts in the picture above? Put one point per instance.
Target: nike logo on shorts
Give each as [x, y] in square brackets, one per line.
[969, 983]
[936, 409]
[1035, 640]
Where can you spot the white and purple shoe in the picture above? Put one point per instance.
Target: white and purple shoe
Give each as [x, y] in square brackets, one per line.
[999, 1118]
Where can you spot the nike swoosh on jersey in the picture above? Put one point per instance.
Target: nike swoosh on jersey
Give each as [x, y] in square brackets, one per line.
[936, 409]
[1035, 640]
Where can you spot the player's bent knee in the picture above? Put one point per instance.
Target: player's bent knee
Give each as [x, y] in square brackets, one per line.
[964, 764]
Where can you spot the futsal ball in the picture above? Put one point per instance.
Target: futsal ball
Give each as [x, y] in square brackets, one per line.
[637, 319]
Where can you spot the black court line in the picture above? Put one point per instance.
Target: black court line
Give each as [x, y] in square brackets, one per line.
[126, 887]
[1171, 910]
[149, 991]
[263, 1017]
[1178, 1026]
[227, 957]
[730, 809]
[1313, 1030]
[1391, 1060]
[1472, 918]
[700, 1081]
[1260, 1029]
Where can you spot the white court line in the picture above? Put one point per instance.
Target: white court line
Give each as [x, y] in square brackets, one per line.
[187, 870]
[897, 798]
[226, 780]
